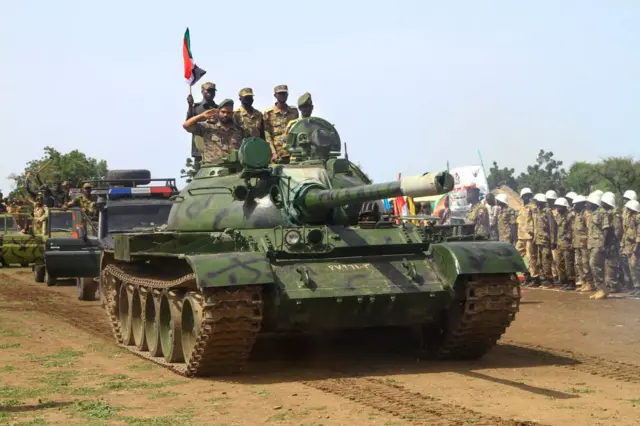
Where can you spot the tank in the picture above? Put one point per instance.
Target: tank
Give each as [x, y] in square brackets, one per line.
[253, 248]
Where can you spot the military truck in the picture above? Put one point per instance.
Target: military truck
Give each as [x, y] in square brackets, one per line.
[19, 245]
[256, 248]
[124, 203]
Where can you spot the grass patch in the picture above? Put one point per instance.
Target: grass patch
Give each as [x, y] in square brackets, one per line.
[141, 367]
[10, 345]
[123, 382]
[7, 332]
[63, 358]
[95, 409]
[182, 416]
[578, 391]
[11, 403]
[165, 394]
[14, 392]
[635, 401]
[57, 379]
[7, 369]
[34, 422]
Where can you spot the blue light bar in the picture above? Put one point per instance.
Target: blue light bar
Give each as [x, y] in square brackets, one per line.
[119, 193]
[163, 191]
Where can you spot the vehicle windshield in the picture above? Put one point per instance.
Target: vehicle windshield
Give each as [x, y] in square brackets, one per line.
[61, 221]
[128, 218]
[8, 223]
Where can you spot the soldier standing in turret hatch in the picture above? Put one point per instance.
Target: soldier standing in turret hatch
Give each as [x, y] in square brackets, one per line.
[276, 118]
[208, 94]
[305, 105]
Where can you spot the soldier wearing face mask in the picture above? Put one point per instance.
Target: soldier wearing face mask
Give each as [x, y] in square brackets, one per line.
[208, 91]
[247, 117]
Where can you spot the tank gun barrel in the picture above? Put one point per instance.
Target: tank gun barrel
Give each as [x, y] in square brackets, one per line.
[314, 197]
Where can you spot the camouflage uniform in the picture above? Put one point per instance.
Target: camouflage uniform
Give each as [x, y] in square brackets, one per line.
[506, 223]
[218, 141]
[196, 109]
[580, 249]
[252, 122]
[40, 216]
[525, 240]
[542, 241]
[599, 225]
[85, 203]
[629, 247]
[564, 245]
[275, 124]
[479, 216]
[613, 271]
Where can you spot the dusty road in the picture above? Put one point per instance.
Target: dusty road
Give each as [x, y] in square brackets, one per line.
[565, 360]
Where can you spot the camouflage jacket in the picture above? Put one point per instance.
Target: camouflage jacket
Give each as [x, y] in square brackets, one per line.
[218, 140]
[506, 224]
[564, 233]
[479, 216]
[85, 204]
[40, 216]
[525, 221]
[599, 223]
[542, 226]
[579, 230]
[630, 232]
[616, 222]
[251, 122]
[275, 125]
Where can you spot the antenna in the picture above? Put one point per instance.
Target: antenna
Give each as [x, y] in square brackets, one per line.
[346, 153]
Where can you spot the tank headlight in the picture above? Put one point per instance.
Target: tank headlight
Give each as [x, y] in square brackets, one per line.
[292, 238]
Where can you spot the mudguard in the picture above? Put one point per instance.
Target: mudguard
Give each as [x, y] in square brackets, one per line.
[72, 258]
[230, 269]
[476, 257]
[18, 249]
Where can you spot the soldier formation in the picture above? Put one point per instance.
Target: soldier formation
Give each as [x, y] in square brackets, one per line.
[573, 242]
[222, 129]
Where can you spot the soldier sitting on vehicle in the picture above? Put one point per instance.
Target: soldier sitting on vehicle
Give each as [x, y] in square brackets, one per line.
[84, 202]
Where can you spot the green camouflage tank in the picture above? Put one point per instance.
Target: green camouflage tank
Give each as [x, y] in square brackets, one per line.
[255, 248]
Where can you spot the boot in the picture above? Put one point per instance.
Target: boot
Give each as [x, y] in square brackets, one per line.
[588, 287]
[535, 283]
[547, 284]
[600, 294]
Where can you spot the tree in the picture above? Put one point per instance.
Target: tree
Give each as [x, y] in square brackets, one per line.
[73, 166]
[189, 171]
[582, 178]
[619, 174]
[546, 174]
[498, 177]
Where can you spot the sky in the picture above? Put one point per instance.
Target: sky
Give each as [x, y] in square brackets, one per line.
[409, 85]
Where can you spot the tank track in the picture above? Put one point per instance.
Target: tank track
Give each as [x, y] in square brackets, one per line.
[230, 321]
[490, 305]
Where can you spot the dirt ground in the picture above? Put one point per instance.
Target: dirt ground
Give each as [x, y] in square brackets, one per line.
[565, 360]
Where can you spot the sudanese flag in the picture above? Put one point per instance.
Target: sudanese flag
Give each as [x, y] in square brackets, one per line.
[191, 71]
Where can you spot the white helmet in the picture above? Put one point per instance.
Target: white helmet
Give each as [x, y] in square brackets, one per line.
[597, 191]
[633, 205]
[525, 191]
[572, 195]
[609, 199]
[561, 202]
[594, 198]
[540, 198]
[502, 198]
[551, 195]
[579, 199]
[630, 194]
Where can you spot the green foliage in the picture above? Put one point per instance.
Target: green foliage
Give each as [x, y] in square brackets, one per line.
[615, 174]
[73, 166]
[499, 177]
[189, 171]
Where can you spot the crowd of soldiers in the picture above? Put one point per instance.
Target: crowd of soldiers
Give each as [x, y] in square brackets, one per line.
[222, 128]
[45, 197]
[573, 242]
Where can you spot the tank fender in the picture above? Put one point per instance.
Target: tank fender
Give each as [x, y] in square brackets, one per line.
[230, 269]
[475, 257]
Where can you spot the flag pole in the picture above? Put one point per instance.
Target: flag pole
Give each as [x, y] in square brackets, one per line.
[483, 170]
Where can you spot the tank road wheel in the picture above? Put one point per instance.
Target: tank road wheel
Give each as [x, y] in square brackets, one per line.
[483, 308]
[39, 272]
[191, 322]
[86, 288]
[137, 318]
[152, 322]
[170, 326]
[124, 314]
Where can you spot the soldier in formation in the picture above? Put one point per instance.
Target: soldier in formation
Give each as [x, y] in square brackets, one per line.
[585, 244]
[477, 213]
[208, 123]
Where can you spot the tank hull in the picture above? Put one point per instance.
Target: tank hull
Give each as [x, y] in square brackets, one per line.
[207, 309]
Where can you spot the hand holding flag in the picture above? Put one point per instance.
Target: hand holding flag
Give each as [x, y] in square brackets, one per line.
[192, 73]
